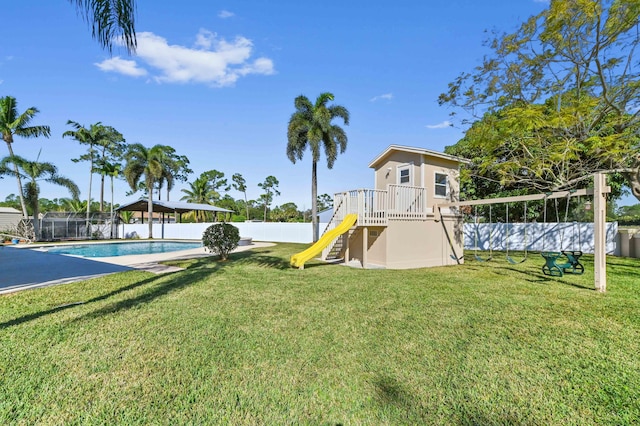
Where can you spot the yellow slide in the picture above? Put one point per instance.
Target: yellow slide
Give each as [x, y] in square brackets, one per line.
[298, 259]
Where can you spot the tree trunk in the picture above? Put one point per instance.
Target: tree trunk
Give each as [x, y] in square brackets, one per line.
[246, 205]
[25, 214]
[101, 193]
[314, 201]
[265, 210]
[111, 215]
[150, 209]
[87, 222]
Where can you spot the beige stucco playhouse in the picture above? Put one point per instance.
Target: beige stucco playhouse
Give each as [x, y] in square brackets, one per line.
[398, 224]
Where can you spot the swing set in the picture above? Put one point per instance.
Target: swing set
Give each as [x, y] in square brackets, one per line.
[562, 261]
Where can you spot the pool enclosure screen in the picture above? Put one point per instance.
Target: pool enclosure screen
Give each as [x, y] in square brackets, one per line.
[56, 226]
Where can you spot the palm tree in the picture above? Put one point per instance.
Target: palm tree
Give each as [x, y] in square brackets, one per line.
[110, 148]
[94, 136]
[310, 125]
[110, 20]
[112, 170]
[200, 192]
[12, 123]
[144, 164]
[36, 171]
[174, 167]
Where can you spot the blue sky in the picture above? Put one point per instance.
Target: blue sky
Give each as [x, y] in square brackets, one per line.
[216, 80]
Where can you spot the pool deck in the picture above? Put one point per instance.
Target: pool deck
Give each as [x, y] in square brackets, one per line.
[22, 268]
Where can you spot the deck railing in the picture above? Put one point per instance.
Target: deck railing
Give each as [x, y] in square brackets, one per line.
[376, 207]
[407, 203]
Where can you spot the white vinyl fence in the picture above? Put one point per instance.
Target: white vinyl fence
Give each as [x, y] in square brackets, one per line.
[539, 236]
[259, 231]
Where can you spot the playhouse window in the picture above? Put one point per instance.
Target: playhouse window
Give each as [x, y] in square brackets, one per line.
[404, 175]
[441, 185]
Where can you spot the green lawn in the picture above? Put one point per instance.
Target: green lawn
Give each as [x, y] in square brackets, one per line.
[251, 341]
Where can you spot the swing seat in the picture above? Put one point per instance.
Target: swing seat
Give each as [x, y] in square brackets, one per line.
[555, 269]
[550, 267]
[482, 259]
[512, 261]
[573, 265]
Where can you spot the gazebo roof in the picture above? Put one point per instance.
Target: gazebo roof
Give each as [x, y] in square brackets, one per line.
[170, 207]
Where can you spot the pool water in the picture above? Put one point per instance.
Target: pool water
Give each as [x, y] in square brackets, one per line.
[123, 249]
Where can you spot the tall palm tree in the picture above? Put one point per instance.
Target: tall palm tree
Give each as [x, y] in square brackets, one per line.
[144, 164]
[110, 149]
[174, 167]
[94, 136]
[110, 20]
[310, 125]
[35, 171]
[14, 124]
[112, 170]
[201, 192]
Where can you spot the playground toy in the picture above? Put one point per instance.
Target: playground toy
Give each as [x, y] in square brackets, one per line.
[412, 217]
[572, 264]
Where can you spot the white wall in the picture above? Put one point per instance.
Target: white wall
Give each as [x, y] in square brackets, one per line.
[540, 236]
[259, 231]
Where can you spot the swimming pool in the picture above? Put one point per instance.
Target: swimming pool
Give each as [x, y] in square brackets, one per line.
[122, 249]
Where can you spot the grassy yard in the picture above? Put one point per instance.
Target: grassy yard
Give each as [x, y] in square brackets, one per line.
[251, 341]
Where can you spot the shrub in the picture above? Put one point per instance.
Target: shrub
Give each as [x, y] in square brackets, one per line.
[221, 239]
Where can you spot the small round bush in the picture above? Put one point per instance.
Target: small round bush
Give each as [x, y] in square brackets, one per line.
[221, 239]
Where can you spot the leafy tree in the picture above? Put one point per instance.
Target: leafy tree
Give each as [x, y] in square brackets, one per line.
[13, 124]
[288, 212]
[558, 99]
[144, 164]
[110, 20]
[310, 126]
[325, 201]
[35, 171]
[217, 182]
[240, 184]
[270, 188]
[11, 201]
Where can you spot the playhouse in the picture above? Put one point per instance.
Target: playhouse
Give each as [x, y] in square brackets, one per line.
[395, 225]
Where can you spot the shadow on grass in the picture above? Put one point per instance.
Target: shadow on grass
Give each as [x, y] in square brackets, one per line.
[36, 315]
[531, 276]
[178, 281]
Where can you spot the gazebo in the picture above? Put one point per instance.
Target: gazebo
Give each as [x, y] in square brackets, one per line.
[175, 207]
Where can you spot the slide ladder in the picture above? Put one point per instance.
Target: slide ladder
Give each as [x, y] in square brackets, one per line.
[298, 260]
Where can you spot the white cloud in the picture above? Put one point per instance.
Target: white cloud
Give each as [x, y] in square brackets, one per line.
[387, 96]
[442, 125]
[213, 61]
[1, 81]
[121, 66]
[224, 14]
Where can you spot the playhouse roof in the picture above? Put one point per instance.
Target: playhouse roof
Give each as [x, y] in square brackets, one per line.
[391, 148]
[170, 207]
